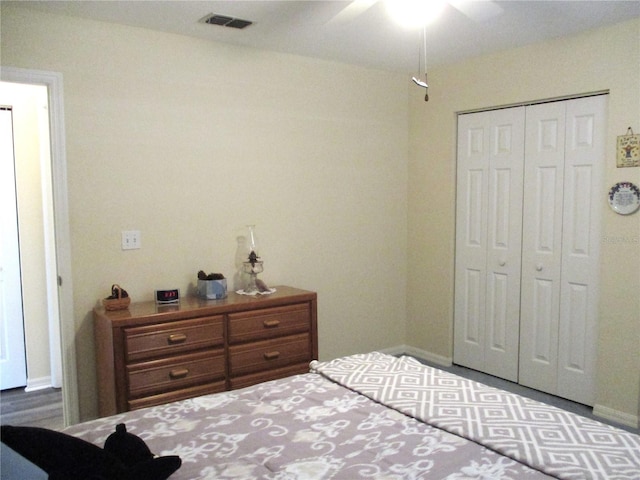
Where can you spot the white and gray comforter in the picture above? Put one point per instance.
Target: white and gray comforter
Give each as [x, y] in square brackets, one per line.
[549, 439]
[332, 424]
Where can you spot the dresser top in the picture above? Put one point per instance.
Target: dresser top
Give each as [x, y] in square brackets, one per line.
[191, 306]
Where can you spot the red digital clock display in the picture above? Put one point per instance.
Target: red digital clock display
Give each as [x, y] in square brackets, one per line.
[168, 296]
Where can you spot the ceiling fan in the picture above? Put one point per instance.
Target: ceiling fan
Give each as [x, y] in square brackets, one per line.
[476, 10]
[420, 13]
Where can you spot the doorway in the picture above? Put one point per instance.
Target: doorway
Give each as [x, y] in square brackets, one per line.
[29, 294]
[13, 366]
[59, 304]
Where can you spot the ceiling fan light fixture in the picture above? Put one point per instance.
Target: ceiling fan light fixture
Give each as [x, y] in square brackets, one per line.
[415, 13]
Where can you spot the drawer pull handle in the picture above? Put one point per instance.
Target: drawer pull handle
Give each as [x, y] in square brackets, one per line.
[271, 355]
[271, 323]
[177, 338]
[178, 373]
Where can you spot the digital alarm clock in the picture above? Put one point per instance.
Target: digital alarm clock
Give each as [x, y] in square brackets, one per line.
[167, 296]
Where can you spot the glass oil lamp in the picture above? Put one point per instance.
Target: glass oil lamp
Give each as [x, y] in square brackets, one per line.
[253, 265]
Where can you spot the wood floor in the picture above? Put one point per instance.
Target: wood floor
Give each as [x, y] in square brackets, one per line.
[42, 408]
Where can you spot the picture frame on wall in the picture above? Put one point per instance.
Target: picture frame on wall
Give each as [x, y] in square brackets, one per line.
[628, 150]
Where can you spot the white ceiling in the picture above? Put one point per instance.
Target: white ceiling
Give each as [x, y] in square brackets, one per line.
[368, 38]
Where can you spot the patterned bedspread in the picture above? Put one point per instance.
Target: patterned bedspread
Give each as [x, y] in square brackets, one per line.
[316, 426]
[303, 427]
[552, 440]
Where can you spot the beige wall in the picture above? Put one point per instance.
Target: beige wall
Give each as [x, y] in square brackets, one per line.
[606, 59]
[315, 154]
[28, 104]
[189, 141]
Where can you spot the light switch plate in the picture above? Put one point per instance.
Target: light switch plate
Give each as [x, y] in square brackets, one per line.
[131, 239]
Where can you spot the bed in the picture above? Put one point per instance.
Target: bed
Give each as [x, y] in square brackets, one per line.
[375, 416]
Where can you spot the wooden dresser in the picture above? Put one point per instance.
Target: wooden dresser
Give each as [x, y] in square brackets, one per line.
[151, 354]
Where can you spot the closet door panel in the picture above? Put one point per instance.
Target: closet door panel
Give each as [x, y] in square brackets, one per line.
[471, 242]
[504, 242]
[498, 291]
[472, 315]
[475, 228]
[488, 245]
[546, 193]
[543, 351]
[475, 259]
[584, 158]
[542, 245]
[574, 321]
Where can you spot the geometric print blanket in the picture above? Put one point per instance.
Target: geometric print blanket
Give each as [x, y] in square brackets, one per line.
[544, 437]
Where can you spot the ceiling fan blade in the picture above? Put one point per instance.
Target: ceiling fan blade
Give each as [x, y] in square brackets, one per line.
[351, 11]
[478, 11]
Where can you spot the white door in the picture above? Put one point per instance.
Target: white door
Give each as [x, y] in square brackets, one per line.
[542, 245]
[488, 241]
[584, 176]
[564, 170]
[13, 370]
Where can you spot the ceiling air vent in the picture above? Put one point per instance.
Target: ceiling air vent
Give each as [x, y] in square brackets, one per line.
[224, 21]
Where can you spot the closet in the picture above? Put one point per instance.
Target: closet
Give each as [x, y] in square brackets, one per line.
[529, 188]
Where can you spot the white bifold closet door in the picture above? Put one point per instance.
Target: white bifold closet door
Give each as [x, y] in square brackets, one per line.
[527, 235]
[560, 267]
[488, 241]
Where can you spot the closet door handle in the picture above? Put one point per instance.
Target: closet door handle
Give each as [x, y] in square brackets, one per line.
[539, 267]
[502, 262]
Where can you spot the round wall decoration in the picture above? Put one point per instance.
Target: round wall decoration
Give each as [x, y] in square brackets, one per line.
[624, 198]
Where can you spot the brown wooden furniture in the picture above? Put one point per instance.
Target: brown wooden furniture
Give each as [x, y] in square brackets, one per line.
[151, 354]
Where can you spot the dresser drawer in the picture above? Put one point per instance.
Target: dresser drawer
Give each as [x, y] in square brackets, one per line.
[268, 354]
[175, 395]
[267, 375]
[160, 340]
[174, 373]
[269, 323]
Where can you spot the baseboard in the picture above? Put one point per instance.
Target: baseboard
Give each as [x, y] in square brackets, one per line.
[616, 416]
[397, 350]
[422, 354]
[41, 383]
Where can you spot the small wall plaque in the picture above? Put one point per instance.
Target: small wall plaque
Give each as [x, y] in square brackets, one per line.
[628, 150]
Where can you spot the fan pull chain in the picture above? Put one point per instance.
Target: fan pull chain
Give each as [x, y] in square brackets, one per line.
[418, 82]
[426, 81]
